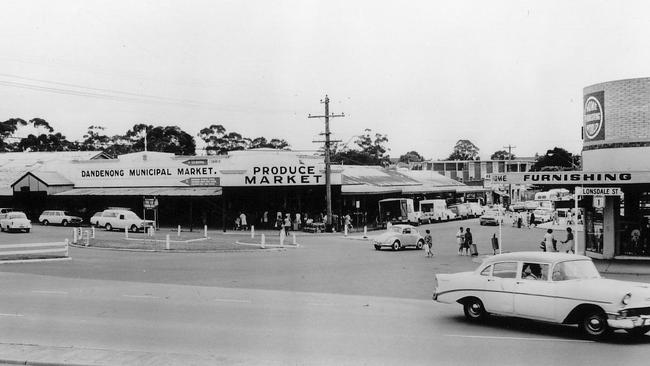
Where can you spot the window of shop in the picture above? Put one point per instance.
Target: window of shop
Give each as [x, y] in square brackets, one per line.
[632, 226]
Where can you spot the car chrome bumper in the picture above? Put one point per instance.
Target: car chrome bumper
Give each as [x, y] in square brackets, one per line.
[619, 322]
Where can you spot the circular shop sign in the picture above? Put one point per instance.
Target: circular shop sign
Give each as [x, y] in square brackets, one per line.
[593, 117]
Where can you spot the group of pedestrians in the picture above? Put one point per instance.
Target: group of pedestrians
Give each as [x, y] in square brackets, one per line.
[549, 243]
[464, 240]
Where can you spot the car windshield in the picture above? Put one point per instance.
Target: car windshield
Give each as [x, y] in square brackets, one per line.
[396, 229]
[17, 215]
[575, 270]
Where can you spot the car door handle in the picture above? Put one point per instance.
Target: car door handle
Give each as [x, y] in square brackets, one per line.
[520, 282]
[491, 280]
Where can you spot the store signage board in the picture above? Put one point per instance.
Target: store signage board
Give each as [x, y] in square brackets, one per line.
[599, 191]
[202, 182]
[573, 178]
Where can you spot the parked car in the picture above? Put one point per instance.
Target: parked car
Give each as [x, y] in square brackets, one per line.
[460, 210]
[553, 287]
[490, 217]
[398, 237]
[475, 209]
[120, 219]
[59, 217]
[15, 221]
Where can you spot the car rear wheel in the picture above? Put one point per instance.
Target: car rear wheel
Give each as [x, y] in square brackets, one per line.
[638, 332]
[45, 222]
[134, 229]
[397, 245]
[64, 222]
[419, 244]
[594, 325]
[109, 227]
[474, 310]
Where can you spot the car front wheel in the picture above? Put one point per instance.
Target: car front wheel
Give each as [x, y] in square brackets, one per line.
[396, 245]
[474, 310]
[377, 247]
[419, 244]
[594, 325]
[134, 229]
[45, 222]
[108, 227]
[64, 222]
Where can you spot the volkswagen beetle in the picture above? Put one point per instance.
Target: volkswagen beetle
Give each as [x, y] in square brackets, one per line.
[553, 287]
[398, 237]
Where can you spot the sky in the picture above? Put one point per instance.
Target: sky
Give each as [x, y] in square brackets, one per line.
[423, 73]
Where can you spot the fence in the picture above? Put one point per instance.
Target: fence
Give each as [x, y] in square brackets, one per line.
[34, 250]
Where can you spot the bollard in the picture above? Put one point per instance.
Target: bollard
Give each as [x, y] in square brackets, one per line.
[87, 241]
[93, 232]
[346, 230]
[179, 230]
[294, 239]
[283, 235]
[66, 247]
[252, 231]
[126, 232]
[74, 235]
[167, 242]
[205, 231]
[365, 231]
[263, 245]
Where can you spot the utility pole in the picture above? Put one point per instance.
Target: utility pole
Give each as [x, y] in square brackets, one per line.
[328, 141]
[509, 147]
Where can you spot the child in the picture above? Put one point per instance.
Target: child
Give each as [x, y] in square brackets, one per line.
[460, 239]
[428, 243]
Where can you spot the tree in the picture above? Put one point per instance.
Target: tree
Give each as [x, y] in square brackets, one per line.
[95, 139]
[502, 155]
[411, 156]
[464, 150]
[170, 139]
[370, 150]
[218, 141]
[556, 159]
[7, 130]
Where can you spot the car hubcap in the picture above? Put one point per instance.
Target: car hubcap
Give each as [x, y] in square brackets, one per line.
[595, 325]
[475, 309]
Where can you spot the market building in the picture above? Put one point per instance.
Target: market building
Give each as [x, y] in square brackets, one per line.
[194, 191]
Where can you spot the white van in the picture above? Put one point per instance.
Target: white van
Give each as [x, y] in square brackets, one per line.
[120, 219]
[435, 210]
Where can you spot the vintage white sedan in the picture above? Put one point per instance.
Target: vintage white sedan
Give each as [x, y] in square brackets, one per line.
[553, 287]
[15, 221]
[398, 237]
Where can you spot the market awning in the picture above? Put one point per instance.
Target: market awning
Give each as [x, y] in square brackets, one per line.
[428, 188]
[471, 189]
[348, 189]
[144, 191]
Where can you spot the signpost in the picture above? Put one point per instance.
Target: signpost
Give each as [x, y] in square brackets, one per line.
[591, 191]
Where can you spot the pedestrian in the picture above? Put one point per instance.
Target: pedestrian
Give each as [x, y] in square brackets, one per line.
[279, 224]
[468, 241]
[265, 219]
[548, 244]
[519, 221]
[237, 223]
[460, 239]
[568, 243]
[242, 219]
[287, 223]
[428, 243]
[532, 220]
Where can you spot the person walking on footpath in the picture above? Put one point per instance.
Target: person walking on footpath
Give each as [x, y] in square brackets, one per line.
[568, 243]
[468, 241]
[531, 223]
[428, 243]
[548, 244]
[460, 239]
[242, 221]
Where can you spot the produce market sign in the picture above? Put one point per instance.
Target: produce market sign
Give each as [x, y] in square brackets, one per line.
[594, 116]
[284, 175]
[575, 178]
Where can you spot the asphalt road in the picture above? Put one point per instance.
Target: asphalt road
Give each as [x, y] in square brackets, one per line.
[331, 301]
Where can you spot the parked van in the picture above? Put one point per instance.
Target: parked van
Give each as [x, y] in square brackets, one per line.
[461, 210]
[435, 210]
[397, 211]
[120, 218]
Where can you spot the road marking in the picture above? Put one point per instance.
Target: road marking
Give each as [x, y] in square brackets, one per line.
[50, 292]
[234, 300]
[520, 338]
[11, 314]
[320, 303]
[142, 296]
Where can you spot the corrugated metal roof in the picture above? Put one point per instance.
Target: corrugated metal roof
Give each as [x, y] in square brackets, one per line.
[144, 191]
[52, 178]
[368, 189]
[374, 176]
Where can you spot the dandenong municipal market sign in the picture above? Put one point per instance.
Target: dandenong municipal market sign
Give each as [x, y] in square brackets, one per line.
[571, 178]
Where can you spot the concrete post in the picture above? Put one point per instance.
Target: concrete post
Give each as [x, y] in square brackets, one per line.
[66, 248]
[205, 231]
[87, 241]
[167, 241]
[93, 232]
[263, 245]
[74, 235]
[126, 232]
[365, 231]
[252, 231]
[179, 230]
[283, 235]
[345, 230]
[294, 239]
